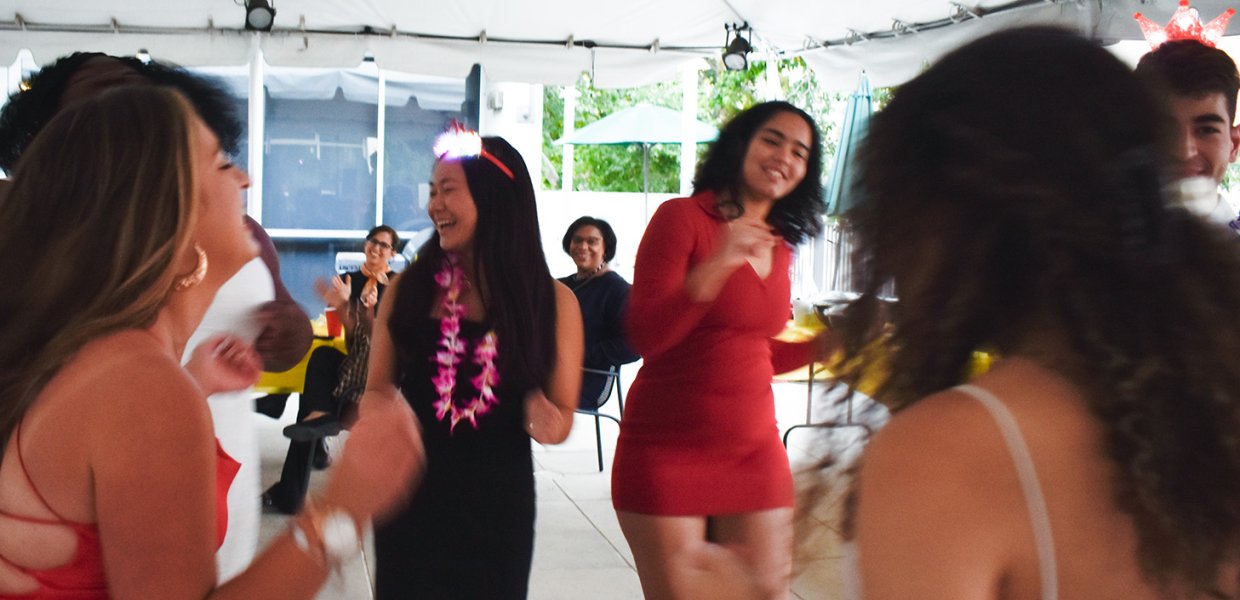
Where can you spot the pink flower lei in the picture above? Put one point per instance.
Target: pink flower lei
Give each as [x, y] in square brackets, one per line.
[452, 348]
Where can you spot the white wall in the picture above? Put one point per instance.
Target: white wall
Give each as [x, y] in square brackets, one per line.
[626, 212]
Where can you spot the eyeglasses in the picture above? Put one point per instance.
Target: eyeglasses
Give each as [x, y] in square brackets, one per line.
[381, 245]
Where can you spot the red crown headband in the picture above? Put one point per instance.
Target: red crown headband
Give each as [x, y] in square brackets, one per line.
[1185, 24]
[460, 142]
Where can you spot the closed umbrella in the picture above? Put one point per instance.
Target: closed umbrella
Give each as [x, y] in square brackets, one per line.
[643, 124]
[842, 191]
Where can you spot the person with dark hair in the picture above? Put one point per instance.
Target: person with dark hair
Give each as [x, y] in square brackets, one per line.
[334, 381]
[255, 304]
[113, 486]
[1015, 200]
[699, 465]
[1199, 84]
[83, 75]
[487, 347]
[603, 295]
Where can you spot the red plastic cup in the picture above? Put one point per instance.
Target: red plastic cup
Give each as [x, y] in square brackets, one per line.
[334, 328]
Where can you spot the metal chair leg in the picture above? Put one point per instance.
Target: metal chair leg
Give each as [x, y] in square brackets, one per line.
[598, 441]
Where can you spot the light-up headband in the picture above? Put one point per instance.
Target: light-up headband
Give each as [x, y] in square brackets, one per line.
[459, 142]
[1185, 24]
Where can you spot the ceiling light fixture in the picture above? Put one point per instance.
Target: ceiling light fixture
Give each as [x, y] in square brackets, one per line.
[259, 15]
[735, 56]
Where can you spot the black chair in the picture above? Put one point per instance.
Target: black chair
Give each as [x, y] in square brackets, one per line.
[809, 404]
[596, 387]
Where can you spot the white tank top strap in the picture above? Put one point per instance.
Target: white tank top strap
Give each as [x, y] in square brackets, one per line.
[1035, 501]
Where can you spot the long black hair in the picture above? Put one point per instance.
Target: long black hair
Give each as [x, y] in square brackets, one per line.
[798, 216]
[516, 287]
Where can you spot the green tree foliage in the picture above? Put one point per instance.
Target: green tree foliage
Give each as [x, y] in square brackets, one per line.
[721, 95]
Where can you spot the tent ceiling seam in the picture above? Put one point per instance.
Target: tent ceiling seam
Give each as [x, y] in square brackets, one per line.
[118, 28]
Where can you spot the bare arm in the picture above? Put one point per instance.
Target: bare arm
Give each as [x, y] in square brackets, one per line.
[286, 333]
[153, 465]
[153, 468]
[549, 412]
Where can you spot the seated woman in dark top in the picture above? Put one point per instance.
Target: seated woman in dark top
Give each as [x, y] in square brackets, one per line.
[334, 381]
[602, 294]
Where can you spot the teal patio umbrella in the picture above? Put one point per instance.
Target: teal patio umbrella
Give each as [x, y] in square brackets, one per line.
[643, 124]
[842, 192]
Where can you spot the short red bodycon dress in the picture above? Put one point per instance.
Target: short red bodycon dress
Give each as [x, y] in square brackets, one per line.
[698, 435]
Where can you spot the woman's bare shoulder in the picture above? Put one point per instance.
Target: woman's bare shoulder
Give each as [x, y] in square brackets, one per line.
[125, 379]
[937, 439]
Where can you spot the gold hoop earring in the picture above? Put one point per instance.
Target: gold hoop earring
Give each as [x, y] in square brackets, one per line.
[194, 278]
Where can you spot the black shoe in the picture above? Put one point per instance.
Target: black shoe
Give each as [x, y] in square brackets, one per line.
[313, 429]
[272, 502]
[322, 458]
[271, 405]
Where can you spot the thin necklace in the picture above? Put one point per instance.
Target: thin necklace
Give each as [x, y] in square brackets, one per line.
[580, 281]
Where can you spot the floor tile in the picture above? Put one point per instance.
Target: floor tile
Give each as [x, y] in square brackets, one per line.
[579, 550]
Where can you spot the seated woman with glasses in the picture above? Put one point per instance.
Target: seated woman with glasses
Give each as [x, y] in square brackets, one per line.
[603, 295]
[334, 381]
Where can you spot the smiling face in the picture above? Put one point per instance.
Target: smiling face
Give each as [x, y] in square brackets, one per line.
[1206, 142]
[776, 159]
[379, 250]
[451, 207]
[587, 248]
[221, 229]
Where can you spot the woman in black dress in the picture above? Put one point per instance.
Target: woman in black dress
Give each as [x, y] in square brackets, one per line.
[486, 347]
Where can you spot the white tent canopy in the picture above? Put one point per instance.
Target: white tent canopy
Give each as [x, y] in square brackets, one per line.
[359, 84]
[553, 41]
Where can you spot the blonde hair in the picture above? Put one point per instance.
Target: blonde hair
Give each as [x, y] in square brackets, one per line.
[100, 210]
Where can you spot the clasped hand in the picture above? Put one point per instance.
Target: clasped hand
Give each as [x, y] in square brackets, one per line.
[224, 363]
[746, 238]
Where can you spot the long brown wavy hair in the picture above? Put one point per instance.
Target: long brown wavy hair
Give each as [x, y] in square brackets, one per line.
[100, 208]
[1017, 184]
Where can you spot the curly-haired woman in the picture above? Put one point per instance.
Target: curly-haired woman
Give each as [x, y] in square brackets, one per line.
[1015, 199]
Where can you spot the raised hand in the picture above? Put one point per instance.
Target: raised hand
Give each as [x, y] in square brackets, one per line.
[224, 363]
[285, 335]
[336, 292]
[714, 572]
[746, 238]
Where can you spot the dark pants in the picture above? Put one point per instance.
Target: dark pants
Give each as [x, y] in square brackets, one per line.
[322, 373]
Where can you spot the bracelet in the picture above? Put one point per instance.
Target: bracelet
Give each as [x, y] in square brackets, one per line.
[329, 538]
[313, 550]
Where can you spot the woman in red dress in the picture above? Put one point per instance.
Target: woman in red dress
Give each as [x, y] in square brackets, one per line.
[699, 463]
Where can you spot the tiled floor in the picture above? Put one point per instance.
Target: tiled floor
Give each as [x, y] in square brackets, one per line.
[579, 551]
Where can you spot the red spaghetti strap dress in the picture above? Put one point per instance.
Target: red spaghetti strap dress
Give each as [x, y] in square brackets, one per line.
[83, 577]
[699, 435]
